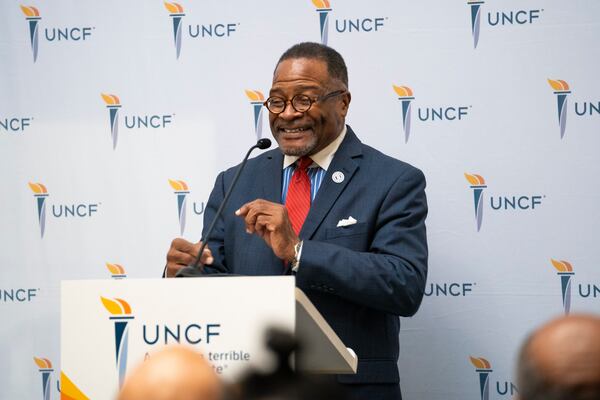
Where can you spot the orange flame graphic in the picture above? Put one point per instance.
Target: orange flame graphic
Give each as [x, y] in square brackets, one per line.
[403, 91]
[562, 265]
[178, 185]
[475, 180]
[30, 11]
[321, 3]
[38, 188]
[558, 85]
[42, 363]
[254, 95]
[116, 306]
[480, 362]
[115, 269]
[174, 8]
[110, 99]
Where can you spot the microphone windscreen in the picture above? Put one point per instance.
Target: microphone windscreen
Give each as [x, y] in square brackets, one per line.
[263, 143]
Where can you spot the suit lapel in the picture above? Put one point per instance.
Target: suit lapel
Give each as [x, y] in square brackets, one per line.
[273, 171]
[346, 160]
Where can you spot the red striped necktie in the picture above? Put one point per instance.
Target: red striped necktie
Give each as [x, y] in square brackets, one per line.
[297, 200]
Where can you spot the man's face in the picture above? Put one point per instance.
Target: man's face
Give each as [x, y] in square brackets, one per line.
[306, 133]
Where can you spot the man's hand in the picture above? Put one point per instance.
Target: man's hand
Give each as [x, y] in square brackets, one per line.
[270, 221]
[183, 253]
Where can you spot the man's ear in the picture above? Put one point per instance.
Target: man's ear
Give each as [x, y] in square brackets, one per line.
[346, 97]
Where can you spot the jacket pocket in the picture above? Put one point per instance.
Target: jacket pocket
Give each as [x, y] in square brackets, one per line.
[356, 229]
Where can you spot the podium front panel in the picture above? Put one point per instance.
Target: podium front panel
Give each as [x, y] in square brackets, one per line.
[108, 326]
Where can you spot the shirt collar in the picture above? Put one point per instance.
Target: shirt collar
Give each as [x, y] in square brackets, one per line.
[324, 157]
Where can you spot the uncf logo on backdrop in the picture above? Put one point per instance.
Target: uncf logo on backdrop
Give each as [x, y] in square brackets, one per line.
[565, 272]
[562, 90]
[69, 33]
[120, 314]
[256, 101]
[426, 113]
[216, 30]
[519, 202]
[344, 25]
[181, 190]
[483, 368]
[133, 121]
[67, 210]
[68, 390]
[497, 19]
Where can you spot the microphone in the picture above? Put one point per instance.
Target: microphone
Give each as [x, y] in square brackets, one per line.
[196, 269]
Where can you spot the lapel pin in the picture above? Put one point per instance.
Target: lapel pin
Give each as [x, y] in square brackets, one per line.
[338, 177]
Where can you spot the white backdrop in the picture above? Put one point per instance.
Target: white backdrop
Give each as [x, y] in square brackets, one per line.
[487, 288]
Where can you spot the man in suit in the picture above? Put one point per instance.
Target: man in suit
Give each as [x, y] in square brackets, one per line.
[346, 219]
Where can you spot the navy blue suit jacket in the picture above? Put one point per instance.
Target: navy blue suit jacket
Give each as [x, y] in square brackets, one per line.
[360, 277]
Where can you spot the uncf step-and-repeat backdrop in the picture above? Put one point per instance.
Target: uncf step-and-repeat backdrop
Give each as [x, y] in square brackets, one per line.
[116, 116]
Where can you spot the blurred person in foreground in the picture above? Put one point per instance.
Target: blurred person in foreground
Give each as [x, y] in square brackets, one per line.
[561, 360]
[174, 373]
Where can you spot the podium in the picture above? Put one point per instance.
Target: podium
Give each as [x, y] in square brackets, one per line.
[109, 326]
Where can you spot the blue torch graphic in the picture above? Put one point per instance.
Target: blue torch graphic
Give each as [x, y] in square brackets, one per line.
[181, 191]
[477, 184]
[256, 100]
[405, 95]
[113, 104]
[475, 6]
[40, 193]
[32, 16]
[176, 14]
[323, 9]
[561, 90]
[45, 368]
[483, 368]
[121, 315]
[565, 271]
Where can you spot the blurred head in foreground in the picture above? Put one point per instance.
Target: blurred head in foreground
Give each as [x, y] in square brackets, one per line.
[174, 373]
[561, 360]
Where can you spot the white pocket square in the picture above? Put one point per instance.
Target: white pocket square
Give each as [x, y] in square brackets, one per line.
[346, 222]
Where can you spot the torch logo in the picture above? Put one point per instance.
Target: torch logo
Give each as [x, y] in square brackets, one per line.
[323, 9]
[181, 191]
[32, 16]
[561, 90]
[121, 314]
[176, 14]
[116, 270]
[475, 6]
[45, 368]
[40, 194]
[477, 184]
[405, 95]
[483, 368]
[113, 104]
[256, 100]
[565, 271]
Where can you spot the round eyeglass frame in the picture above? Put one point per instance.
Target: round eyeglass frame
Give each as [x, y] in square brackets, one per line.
[296, 98]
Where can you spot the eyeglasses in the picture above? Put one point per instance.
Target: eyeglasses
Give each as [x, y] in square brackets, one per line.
[300, 102]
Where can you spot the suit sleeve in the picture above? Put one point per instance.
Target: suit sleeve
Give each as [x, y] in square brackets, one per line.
[391, 275]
